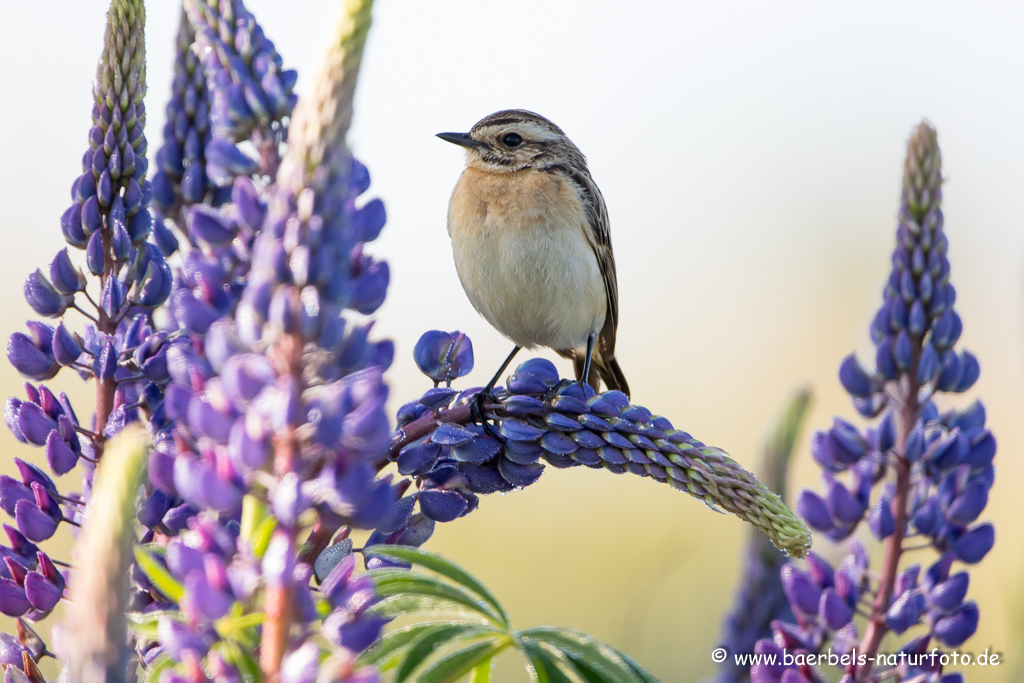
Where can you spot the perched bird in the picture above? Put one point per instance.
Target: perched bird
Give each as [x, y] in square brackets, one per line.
[530, 234]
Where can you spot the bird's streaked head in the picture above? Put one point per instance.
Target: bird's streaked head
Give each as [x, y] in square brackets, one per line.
[515, 139]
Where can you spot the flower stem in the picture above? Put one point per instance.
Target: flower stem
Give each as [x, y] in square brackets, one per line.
[877, 628]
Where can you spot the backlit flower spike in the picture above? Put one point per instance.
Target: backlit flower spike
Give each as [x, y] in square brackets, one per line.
[915, 472]
[287, 404]
[180, 179]
[251, 93]
[118, 348]
[540, 416]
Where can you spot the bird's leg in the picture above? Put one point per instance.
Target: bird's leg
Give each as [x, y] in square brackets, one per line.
[585, 377]
[477, 408]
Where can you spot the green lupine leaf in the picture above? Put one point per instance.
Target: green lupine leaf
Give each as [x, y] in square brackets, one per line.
[585, 650]
[389, 648]
[457, 664]
[158, 666]
[144, 623]
[232, 626]
[444, 567]
[643, 673]
[405, 605]
[158, 575]
[396, 581]
[431, 640]
[548, 665]
[254, 513]
[261, 537]
[482, 671]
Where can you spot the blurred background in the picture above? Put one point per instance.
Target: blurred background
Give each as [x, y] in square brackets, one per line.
[750, 155]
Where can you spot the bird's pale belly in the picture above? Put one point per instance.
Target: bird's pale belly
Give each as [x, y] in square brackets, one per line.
[538, 283]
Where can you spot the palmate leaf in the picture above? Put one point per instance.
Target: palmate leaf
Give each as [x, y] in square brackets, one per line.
[444, 650]
[457, 664]
[401, 581]
[436, 563]
[587, 653]
[548, 665]
[444, 636]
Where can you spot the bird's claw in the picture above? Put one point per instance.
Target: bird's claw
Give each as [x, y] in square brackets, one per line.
[477, 414]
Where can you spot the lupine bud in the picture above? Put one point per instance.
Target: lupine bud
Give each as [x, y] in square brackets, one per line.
[953, 629]
[975, 544]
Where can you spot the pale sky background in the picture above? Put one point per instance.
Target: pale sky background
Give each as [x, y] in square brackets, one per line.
[750, 155]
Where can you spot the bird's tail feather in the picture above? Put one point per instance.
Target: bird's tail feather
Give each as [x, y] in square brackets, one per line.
[605, 370]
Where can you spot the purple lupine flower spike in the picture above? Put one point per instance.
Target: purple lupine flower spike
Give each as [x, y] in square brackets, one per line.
[180, 179]
[110, 219]
[542, 417]
[250, 91]
[917, 471]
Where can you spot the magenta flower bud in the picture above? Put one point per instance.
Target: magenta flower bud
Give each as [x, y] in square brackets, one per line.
[42, 593]
[13, 601]
[11, 492]
[33, 522]
[59, 455]
[34, 424]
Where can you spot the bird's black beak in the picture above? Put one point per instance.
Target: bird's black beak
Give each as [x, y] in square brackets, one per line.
[461, 139]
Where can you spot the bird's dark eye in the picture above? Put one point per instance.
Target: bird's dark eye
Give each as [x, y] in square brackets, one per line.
[512, 140]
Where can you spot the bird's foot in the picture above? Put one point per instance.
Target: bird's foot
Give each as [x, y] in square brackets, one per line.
[478, 415]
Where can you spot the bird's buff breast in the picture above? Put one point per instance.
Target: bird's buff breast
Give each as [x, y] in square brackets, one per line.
[522, 251]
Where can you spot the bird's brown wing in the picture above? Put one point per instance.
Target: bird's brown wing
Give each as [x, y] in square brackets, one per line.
[599, 236]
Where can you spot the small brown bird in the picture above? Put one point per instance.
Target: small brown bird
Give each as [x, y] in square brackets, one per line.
[530, 234]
